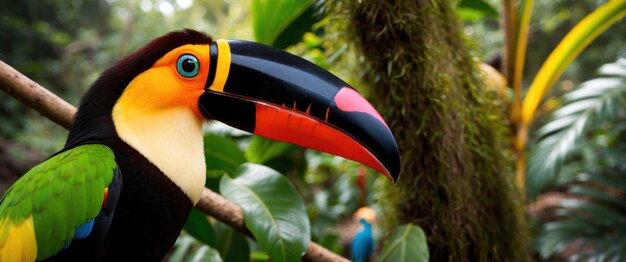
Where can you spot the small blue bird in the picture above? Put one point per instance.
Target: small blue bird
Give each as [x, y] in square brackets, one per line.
[363, 241]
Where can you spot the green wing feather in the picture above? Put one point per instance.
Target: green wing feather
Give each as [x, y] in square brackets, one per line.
[57, 196]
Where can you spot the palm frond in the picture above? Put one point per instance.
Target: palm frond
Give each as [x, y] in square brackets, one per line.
[596, 226]
[593, 101]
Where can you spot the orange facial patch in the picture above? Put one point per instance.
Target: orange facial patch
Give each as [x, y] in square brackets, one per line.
[165, 86]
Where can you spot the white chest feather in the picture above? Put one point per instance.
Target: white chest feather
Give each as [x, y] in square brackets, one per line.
[171, 139]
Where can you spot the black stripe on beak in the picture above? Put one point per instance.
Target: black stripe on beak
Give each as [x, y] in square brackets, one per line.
[212, 65]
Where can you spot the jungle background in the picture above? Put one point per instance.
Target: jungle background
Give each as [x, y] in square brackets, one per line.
[572, 202]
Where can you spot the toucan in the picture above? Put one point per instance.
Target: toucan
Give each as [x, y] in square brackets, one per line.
[133, 164]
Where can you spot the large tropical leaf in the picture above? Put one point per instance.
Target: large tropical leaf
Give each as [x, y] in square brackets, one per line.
[272, 18]
[233, 246]
[294, 33]
[596, 226]
[594, 100]
[262, 149]
[280, 156]
[273, 210]
[222, 155]
[199, 227]
[407, 243]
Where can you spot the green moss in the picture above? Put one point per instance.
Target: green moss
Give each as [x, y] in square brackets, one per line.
[456, 179]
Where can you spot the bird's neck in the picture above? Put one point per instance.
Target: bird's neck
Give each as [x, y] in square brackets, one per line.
[170, 138]
[367, 227]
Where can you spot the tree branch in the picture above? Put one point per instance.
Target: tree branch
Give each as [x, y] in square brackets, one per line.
[35, 96]
[56, 109]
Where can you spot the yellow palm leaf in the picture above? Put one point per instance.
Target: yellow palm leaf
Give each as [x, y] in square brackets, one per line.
[568, 49]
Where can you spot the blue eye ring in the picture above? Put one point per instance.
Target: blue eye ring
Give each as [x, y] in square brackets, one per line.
[188, 66]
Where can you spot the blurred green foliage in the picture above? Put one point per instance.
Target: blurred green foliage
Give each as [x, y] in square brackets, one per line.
[58, 50]
[581, 148]
[592, 221]
[593, 112]
[550, 21]
[474, 10]
[65, 45]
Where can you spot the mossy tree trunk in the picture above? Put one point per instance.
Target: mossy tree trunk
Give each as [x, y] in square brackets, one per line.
[456, 180]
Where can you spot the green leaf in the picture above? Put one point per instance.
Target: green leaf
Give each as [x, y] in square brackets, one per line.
[233, 246]
[188, 250]
[618, 68]
[615, 182]
[598, 195]
[294, 33]
[222, 155]
[273, 211]
[594, 220]
[407, 243]
[591, 102]
[556, 125]
[262, 149]
[468, 14]
[289, 164]
[270, 18]
[259, 256]
[180, 248]
[199, 227]
[205, 253]
[594, 88]
[282, 157]
[478, 7]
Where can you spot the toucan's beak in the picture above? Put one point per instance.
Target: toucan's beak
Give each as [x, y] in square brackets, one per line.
[272, 93]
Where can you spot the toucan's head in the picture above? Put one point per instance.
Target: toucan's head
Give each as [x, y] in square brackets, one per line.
[261, 90]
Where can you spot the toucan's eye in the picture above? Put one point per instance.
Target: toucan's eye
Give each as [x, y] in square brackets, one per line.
[188, 66]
